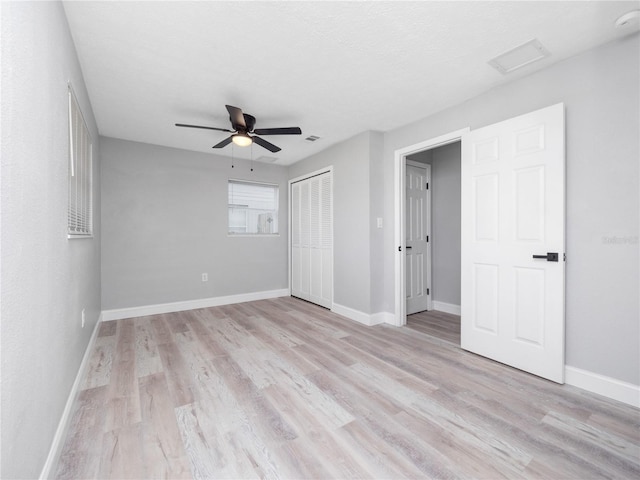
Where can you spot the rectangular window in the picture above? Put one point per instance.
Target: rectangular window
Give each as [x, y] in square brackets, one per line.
[80, 206]
[253, 208]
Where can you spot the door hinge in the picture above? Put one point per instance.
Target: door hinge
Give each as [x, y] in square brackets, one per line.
[427, 291]
[427, 238]
[427, 185]
[564, 257]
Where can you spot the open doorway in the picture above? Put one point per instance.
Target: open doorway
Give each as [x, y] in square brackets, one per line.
[513, 189]
[400, 166]
[443, 219]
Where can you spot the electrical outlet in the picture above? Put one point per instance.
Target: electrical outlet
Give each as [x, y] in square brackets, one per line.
[83, 318]
[205, 277]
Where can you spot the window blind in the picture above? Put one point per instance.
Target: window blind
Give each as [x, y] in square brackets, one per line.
[80, 205]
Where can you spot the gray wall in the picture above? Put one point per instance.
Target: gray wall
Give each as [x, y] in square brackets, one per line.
[164, 217]
[445, 220]
[600, 89]
[354, 241]
[46, 278]
[376, 210]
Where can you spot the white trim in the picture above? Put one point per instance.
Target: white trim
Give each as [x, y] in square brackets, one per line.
[446, 307]
[606, 386]
[361, 317]
[355, 315]
[119, 313]
[383, 317]
[63, 425]
[260, 235]
[255, 182]
[413, 163]
[399, 173]
[315, 173]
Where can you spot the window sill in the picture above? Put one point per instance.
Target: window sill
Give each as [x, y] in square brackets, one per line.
[253, 234]
[78, 237]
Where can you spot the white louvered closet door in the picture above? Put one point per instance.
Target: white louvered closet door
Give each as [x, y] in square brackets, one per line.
[296, 247]
[312, 239]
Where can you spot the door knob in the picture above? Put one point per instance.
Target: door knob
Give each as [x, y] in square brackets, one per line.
[550, 256]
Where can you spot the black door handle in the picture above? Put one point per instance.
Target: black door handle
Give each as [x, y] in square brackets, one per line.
[550, 256]
[408, 248]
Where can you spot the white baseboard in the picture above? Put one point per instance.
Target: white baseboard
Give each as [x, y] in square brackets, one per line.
[63, 425]
[352, 314]
[119, 313]
[383, 317]
[446, 307]
[606, 386]
[368, 319]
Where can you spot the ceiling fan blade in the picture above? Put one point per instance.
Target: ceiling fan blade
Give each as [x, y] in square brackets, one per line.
[278, 131]
[223, 143]
[263, 143]
[207, 128]
[237, 118]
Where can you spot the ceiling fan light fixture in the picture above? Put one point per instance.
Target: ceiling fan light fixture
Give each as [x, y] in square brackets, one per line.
[241, 139]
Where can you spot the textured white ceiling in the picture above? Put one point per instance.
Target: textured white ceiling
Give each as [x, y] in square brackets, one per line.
[334, 69]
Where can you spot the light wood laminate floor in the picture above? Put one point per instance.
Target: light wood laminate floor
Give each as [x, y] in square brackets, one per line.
[284, 389]
[441, 325]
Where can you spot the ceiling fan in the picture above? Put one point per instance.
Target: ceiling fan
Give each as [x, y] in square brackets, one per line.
[242, 124]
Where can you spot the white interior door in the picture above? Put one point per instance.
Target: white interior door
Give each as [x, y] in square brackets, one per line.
[312, 239]
[417, 246]
[513, 191]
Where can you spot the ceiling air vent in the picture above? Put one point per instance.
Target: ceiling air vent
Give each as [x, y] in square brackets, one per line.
[312, 138]
[518, 57]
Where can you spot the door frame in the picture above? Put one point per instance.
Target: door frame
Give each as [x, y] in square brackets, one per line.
[427, 227]
[399, 173]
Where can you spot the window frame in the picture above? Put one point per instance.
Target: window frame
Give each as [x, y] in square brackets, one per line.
[275, 210]
[79, 211]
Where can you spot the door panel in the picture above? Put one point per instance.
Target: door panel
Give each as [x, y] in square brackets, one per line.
[315, 228]
[296, 248]
[305, 234]
[513, 183]
[485, 287]
[529, 214]
[486, 218]
[529, 303]
[312, 239]
[416, 244]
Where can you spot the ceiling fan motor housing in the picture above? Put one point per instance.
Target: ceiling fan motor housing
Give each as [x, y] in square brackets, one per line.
[249, 123]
